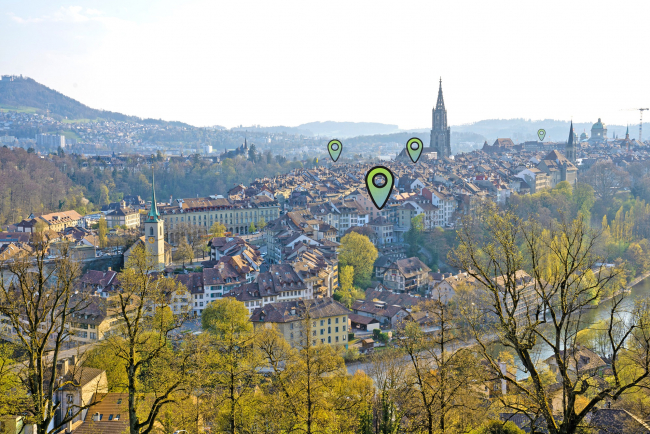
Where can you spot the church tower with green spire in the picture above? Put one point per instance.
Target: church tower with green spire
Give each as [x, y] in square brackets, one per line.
[154, 231]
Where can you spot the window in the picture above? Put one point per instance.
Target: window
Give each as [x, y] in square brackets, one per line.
[337, 320]
[70, 398]
[322, 322]
[151, 231]
[322, 331]
[344, 337]
[119, 401]
[291, 326]
[329, 320]
[314, 333]
[329, 339]
[110, 417]
[329, 330]
[343, 328]
[336, 330]
[337, 339]
[117, 417]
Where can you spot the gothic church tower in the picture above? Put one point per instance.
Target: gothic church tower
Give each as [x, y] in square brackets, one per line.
[570, 150]
[440, 132]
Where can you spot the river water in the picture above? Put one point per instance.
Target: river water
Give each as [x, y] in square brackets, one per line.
[594, 315]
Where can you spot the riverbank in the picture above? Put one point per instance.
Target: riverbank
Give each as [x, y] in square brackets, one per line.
[637, 280]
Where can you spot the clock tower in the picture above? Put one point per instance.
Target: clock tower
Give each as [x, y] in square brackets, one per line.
[154, 231]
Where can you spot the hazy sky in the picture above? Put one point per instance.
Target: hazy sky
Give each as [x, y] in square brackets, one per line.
[290, 62]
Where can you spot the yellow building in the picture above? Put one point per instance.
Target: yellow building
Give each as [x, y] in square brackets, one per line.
[203, 212]
[319, 321]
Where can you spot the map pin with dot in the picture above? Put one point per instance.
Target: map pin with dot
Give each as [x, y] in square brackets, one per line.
[541, 134]
[334, 147]
[379, 182]
[414, 148]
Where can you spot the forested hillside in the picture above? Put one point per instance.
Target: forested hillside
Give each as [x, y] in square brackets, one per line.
[26, 92]
[30, 183]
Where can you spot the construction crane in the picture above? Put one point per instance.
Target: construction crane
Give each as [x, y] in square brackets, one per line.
[641, 110]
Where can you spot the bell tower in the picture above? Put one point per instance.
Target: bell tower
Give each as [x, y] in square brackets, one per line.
[154, 231]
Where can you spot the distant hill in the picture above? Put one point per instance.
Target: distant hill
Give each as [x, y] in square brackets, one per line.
[331, 129]
[520, 130]
[26, 92]
[348, 129]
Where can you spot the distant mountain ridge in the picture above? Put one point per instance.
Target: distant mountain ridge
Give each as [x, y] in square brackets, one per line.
[26, 92]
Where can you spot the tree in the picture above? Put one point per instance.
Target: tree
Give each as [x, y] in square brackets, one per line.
[103, 195]
[310, 382]
[415, 235]
[217, 229]
[440, 375]
[38, 301]
[234, 363]
[357, 250]
[103, 230]
[497, 427]
[252, 154]
[606, 178]
[387, 369]
[543, 312]
[184, 252]
[252, 228]
[195, 235]
[347, 292]
[155, 370]
[261, 224]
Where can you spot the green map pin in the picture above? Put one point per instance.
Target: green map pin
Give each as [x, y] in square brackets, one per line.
[334, 147]
[414, 148]
[541, 134]
[379, 182]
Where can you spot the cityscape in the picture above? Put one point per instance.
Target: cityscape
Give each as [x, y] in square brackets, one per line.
[471, 275]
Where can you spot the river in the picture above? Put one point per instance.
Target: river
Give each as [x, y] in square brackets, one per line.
[589, 317]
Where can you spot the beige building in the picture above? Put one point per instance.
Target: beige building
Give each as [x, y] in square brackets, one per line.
[318, 321]
[55, 222]
[123, 217]
[236, 216]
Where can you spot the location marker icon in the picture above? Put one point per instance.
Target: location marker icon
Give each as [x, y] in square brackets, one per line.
[334, 147]
[414, 148]
[379, 182]
[541, 134]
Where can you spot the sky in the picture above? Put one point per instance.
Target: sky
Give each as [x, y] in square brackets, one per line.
[274, 63]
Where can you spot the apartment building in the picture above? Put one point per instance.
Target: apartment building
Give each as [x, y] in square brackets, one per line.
[321, 321]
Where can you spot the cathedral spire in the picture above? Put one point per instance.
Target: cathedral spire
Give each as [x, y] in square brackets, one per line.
[153, 212]
[441, 102]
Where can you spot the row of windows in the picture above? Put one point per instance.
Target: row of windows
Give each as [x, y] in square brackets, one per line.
[237, 215]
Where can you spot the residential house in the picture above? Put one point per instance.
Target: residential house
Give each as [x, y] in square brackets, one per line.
[407, 275]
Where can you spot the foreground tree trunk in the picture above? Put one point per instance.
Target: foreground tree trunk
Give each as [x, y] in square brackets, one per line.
[38, 302]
